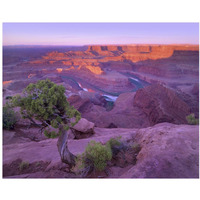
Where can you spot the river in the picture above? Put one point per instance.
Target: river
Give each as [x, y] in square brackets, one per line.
[109, 96]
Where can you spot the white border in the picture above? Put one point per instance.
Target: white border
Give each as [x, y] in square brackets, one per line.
[99, 11]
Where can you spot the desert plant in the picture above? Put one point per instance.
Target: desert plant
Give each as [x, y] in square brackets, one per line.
[192, 120]
[8, 97]
[117, 145]
[113, 142]
[95, 157]
[23, 165]
[46, 102]
[50, 134]
[136, 147]
[9, 118]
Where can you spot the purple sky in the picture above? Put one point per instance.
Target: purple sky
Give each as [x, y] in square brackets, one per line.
[99, 33]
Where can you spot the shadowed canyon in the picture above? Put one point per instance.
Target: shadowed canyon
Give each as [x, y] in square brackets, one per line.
[140, 92]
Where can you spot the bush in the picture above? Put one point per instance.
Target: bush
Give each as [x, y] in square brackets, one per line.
[46, 102]
[136, 147]
[95, 157]
[192, 120]
[114, 142]
[98, 155]
[23, 165]
[8, 97]
[51, 134]
[9, 118]
[117, 145]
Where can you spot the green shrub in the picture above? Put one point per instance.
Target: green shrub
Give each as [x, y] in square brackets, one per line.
[98, 155]
[9, 97]
[192, 120]
[114, 142]
[136, 147]
[23, 165]
[46, 102]
[9, 118]
[51, 134]
[95, 157]
[117, 145]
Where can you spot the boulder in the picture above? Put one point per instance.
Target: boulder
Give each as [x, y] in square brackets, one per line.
[167, 151]
[83, 129]
[161, 104]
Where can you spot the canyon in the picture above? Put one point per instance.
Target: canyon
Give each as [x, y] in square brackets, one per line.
[129, 90]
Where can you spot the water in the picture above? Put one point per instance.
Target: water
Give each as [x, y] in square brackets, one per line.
[109, 96]
[84, 89]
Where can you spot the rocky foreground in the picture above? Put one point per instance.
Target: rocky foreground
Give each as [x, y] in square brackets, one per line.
[140, 92]
[167, 151]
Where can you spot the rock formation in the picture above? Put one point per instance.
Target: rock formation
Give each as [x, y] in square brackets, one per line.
[161, 104]
[83, 129]
[168, 151]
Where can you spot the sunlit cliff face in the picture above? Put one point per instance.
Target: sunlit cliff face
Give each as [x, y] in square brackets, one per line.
[59, 70]
[134, 53]
[71, 68]
[31, 75]
[7, 82]
[95, 70]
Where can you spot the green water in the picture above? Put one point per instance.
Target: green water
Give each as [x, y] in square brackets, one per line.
[138, 84]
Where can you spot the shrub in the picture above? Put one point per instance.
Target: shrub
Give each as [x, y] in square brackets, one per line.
[8, 97]
[136, 147]
[51, 134]
[192, 120]
[114, 142]
[23, 165]
[117, 145]
[46, 102]
[98, 155]
[9, 118]
[95, 157]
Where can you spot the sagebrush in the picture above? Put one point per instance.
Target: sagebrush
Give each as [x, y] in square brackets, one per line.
[9, 118]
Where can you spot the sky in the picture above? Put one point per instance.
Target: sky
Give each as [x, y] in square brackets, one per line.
[99, 33]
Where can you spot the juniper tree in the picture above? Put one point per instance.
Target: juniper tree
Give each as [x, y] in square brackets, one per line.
[46, 102]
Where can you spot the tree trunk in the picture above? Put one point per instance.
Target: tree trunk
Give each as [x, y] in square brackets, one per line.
[66, 156]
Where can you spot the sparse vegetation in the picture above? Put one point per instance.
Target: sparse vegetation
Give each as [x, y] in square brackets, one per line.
[136, 147]
[117, 145]
[8, 97]
[23, 165]
[192, 120]
[46, 102]
[114, 142]
[9, 118]
[98, 155]
[50, 134]
[95, 157]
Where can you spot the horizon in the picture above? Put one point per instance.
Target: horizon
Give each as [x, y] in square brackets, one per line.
[29, 45]
[84, 34]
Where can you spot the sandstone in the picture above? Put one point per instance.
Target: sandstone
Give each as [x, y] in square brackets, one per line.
[195, 89]
[161, 104]
[79, 103]
[168, 151]
[83, 129]
[123, 115]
